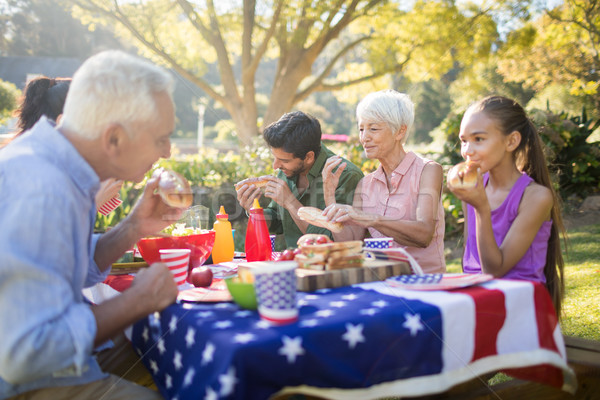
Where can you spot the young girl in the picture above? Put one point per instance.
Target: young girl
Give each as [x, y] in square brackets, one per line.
[512, 216]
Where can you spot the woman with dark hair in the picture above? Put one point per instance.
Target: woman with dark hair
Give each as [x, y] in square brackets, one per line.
[45, 96]
[513, 221]
[42, 96]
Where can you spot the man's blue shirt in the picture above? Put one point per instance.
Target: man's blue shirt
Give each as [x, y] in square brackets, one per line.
[47, 215]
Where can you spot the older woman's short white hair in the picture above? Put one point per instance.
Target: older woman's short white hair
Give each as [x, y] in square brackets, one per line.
[113, 87]
[388, 106]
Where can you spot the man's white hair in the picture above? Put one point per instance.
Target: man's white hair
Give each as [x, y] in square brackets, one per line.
[388, 106]
[113, 87]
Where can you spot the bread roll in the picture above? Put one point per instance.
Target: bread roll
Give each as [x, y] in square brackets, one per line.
[174, 189]
[314, 216]
[463, 175]
[258, 182]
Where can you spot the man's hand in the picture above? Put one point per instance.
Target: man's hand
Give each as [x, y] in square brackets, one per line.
[279, 191]
[150, 214]
[156, 287]
[247, 192]
[332, 179]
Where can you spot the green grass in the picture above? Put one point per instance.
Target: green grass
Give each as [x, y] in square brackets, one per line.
[581, 316]
[581, 305]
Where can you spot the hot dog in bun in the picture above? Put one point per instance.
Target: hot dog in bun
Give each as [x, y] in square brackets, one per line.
[314, 216]
[463, 175]
[258, 182]
[173, 188]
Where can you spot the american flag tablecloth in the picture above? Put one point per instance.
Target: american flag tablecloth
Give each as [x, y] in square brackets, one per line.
[366, 341]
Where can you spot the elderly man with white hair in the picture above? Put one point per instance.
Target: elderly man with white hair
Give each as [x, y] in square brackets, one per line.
[117, 121]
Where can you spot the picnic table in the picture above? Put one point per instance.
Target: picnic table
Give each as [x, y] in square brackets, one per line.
[363, 341]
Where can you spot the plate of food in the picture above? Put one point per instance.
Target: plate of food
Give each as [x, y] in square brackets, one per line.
[215, 293]
[437, 281]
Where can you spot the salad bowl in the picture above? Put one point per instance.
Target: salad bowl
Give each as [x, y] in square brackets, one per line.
[200, 244]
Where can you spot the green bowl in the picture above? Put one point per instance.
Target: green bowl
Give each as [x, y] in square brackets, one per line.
[243, 293]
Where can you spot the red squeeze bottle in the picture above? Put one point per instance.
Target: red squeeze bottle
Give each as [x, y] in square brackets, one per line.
[258, 243]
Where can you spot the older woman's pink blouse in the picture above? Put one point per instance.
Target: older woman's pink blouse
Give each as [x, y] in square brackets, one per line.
[400, 202]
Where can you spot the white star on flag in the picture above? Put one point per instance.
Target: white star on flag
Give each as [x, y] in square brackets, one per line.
[350, 297]
[338, 304]
[309, 323]
[205, 314]
[154, 366]
[227, 381]
[168, 381]
[211, 394]
[173, 324]
[208, 353]
[161, 346]
[223, 324]
[190, 337]
[379, 303]
[242, 314]
[189, 377]
[262, 324]
[302, 303]
[145, 334]
[353, 335]
[222, 305]
[311, 297]
[324, 313]
[413, 322]
[368, 311]
[243, 337]
[177, 361]
[292, 348]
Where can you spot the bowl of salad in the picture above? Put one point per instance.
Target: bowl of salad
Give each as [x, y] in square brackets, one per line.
[199, 241]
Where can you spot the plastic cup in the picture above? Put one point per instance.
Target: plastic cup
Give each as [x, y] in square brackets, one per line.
[177, 261]
[275, 285]
[379, 243]
[272, 237]
[196, 217]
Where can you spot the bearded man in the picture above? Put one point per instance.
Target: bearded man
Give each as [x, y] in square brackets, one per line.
[299, 156]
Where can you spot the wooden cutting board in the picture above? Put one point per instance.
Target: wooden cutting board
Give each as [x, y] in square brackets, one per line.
[309, 280]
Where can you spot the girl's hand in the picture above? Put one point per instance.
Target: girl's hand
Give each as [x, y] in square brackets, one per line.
[332, 179]
[475, 196]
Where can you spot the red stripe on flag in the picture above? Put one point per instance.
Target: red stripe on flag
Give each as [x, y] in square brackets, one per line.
[546, 317]
[546, 323]
[490, 314]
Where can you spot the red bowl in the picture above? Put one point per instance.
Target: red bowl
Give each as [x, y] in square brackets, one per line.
[200, 244]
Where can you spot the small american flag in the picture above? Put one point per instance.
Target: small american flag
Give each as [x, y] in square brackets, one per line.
[110, 205]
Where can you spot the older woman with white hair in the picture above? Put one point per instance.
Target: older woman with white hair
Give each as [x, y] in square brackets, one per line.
[402, 198]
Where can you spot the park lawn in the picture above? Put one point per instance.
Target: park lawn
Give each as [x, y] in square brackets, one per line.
[581, 309]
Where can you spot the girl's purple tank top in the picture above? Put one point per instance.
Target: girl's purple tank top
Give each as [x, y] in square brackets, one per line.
[531, 266]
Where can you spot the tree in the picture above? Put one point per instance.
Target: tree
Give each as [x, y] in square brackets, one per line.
[318, 46]
[559, 48]
[8, 100]
[45, 28]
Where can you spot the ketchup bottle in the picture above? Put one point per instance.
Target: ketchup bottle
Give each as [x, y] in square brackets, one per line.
[223, 248]
[258, 243]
